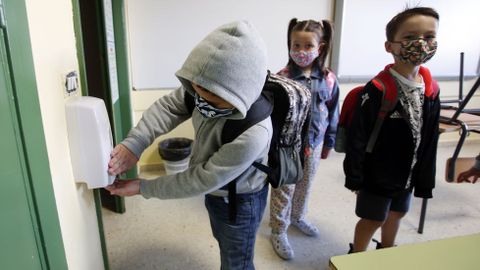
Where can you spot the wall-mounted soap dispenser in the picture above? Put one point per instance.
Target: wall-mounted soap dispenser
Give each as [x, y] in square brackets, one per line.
[90, 140]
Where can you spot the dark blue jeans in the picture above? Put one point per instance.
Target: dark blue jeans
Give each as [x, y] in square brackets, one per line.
[237, 241]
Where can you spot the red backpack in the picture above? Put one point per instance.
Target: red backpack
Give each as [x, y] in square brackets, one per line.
[385, 83]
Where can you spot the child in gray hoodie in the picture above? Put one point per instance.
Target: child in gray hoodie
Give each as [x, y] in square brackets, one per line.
[225, 74]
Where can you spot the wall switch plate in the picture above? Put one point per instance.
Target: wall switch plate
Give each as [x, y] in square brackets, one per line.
[71, 82]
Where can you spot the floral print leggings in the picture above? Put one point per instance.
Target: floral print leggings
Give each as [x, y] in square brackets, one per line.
[289, 202]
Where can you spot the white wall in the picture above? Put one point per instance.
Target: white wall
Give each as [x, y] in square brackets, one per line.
[54, 54]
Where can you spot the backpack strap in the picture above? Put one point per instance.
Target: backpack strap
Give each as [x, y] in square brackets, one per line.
[189, 102]
[431, 85]
[260, 110]
[386, 84]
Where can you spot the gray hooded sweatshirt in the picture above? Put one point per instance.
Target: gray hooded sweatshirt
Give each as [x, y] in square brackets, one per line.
[231, 63]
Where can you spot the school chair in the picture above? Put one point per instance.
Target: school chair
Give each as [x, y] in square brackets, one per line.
[456, 119]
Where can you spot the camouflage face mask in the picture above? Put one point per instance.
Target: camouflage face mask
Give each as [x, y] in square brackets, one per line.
[416, 51]
[209, 111]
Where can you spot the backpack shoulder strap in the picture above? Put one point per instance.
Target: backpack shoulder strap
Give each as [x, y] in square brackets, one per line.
[260, 110]
[431, 85]
[189, 101]
[385, 83]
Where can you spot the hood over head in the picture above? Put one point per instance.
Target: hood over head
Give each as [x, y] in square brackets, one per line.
[230, 62]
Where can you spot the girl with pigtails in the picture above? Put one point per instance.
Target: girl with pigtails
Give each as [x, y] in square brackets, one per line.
[309, 44]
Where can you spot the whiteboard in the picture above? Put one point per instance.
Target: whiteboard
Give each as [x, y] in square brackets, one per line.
[359, 51]
[163, 32]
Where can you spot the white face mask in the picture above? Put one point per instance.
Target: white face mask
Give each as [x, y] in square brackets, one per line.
[303, 59]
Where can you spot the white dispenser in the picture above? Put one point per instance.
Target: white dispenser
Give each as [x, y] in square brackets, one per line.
[90, 140]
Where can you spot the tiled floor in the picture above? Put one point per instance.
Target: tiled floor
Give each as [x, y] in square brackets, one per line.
[175, 234]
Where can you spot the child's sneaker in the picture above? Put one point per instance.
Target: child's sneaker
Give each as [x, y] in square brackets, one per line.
[306, 227]
[281, 245]
[350, 251]
[379, 244]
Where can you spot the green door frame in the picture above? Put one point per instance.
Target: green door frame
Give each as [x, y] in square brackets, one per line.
[44, 210]
[123, 104]
[122, 107]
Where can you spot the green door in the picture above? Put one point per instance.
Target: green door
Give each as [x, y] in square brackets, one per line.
[19, 237]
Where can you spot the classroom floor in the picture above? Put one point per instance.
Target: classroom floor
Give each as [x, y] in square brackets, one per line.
[175, 234]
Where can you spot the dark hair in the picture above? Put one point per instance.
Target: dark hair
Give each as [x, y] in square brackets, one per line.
[324, 32]
[400, 18]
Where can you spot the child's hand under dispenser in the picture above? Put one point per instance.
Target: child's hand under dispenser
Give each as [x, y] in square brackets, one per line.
[122, 159]
[124, 187]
